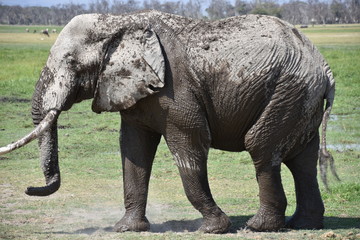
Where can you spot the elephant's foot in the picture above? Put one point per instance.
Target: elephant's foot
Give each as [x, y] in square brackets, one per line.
[299, 221]
[132, 224]
[266, 221]
[216, 224]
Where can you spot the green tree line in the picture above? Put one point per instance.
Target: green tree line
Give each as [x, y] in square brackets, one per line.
[293, 11]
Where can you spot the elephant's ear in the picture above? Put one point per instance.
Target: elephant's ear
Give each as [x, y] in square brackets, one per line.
[135, 68]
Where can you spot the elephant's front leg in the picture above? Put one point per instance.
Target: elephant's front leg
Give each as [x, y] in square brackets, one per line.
[138, 148]
[190, 151]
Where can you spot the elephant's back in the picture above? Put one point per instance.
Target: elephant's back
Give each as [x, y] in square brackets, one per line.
[205, 37]
[247, 46]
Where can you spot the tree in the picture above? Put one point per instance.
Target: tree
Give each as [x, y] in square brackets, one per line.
[353, 9]
[320, 11]
[220, 9]
[242, 7]
[153, 4]
[100, 6]
[191, 9]
[296, 12]
[120, 7]
[171, 7]
[267, 7]
[338, 10]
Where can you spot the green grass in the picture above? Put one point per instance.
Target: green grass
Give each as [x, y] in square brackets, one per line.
[345, 64]
[334, 35]
[90, 199]
[31, 28]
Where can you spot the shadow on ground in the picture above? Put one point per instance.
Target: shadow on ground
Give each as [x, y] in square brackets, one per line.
[342, 222]
[192, 225]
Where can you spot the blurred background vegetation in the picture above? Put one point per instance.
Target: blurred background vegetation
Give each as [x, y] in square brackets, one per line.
[307, 12]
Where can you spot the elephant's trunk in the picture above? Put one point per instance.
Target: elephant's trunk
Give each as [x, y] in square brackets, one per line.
[46, 131]
[48, 142]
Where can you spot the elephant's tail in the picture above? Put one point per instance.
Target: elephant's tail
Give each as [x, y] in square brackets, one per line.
[324, 155]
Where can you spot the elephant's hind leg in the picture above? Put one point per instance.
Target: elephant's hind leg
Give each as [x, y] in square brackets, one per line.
[263, 146]
[271, 214]
[267, 161]
[138, 148]
[309, 206]
[269, 141]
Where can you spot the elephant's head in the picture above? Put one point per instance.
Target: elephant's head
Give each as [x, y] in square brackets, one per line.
[115, 60]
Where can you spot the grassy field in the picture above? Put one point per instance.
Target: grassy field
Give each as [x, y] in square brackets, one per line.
[336, 34]
[90, 200]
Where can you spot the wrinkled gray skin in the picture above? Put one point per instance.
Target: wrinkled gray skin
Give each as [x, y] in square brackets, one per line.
[249, 83]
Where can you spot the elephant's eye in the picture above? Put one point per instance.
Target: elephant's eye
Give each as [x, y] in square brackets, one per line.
[148, 34]
[70, 60]
[72, 63]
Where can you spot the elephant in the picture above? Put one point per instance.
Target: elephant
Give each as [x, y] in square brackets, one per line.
[248, 83]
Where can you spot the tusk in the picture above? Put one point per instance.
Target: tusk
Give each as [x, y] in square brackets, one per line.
[49, 119]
